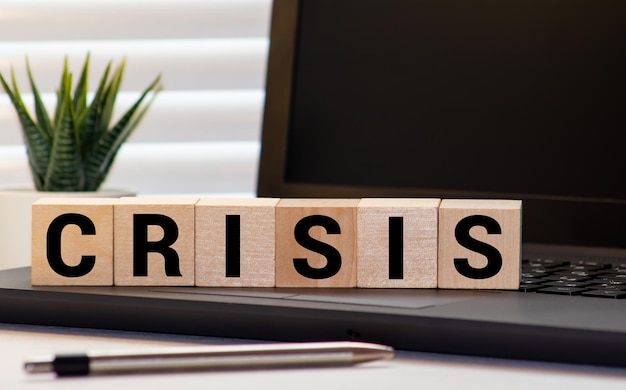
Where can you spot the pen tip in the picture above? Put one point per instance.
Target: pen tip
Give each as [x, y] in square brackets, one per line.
[38, 366]
[366, 352]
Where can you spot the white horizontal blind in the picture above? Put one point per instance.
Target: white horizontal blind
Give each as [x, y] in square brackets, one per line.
[202, 133]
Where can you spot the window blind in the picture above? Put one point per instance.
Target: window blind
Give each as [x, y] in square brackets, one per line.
[202, 133]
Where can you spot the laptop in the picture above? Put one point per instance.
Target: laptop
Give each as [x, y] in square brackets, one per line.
[522, 99]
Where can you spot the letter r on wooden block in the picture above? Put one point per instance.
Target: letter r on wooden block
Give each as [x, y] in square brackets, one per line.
[397, 243]
[235, 242]
[154, 241]
[72, 242]
[316, 243]
[480, 244]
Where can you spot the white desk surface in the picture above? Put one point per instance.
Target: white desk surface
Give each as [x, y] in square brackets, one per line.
[407, 370]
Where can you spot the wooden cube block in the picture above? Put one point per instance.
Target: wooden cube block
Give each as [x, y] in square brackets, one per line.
[397, 243]
[72, 242]
[154, 241]
[235, 242]
[315, 243]
[479, 244]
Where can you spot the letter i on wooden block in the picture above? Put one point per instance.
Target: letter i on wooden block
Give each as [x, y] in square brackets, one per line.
[397, 243]
[479, 244]
[316, 243]
[235, 242]
[72, 242]
[154, 241]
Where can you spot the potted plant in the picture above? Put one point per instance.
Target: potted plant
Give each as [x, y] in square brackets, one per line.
[74, 149]
[70, 152]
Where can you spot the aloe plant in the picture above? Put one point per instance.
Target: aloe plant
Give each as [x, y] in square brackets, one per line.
[75, 149]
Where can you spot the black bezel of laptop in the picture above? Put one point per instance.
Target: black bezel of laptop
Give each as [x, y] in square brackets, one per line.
[551, 220]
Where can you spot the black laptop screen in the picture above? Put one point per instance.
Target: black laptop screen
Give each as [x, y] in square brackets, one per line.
[520, 98]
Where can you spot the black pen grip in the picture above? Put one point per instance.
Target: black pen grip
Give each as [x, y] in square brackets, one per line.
[71, 365]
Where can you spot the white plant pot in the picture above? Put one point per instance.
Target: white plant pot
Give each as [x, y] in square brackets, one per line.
[16, 216]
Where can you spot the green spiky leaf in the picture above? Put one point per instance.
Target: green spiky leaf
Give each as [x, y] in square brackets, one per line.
[100, 160]
[65, 169]
[80, 93]
[109, 96]
[90, 127]
[43, 119]
[75, 149]
[38, 142]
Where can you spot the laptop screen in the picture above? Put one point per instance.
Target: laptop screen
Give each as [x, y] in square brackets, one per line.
[519, 99]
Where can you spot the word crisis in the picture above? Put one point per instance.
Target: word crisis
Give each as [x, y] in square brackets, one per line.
[269, 242]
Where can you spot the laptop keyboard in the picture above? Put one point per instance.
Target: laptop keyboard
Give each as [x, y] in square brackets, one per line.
[585, 278]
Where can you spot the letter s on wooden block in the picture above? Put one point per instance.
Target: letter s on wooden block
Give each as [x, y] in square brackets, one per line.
[72, 242]
[316, 243]
[154, 241]
[235, 242]
[480, 244]
[397, 243]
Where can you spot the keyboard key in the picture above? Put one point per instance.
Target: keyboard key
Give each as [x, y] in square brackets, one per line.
[579, 267]
[547, 263]
[530, 287]
[580, 273]
[531, 281]
[590, 263]
[533, 275]
[563, 283]
[562, 290]
[605, 286]
[568, 278]
[616, 294]
[614, 276]
[605, 280]
[538, 271]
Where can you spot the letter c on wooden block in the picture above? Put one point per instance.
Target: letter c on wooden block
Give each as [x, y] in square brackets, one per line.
[479, 244]
[72, 242]
[316, 243]
[53, 245]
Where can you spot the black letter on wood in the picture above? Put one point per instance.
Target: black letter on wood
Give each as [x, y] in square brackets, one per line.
[333, 257]
[494, 258]
[396, 248]
[53, 245]
[233, 245]
[141, 245]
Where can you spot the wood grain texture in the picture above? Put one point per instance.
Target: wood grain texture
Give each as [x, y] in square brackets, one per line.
[397, 243]
[152, 218]
[342, 243]
[73, 243]
[507, 214]
[245, 256]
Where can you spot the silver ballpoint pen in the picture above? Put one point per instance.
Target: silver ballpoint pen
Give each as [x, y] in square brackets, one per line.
[234, 357]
